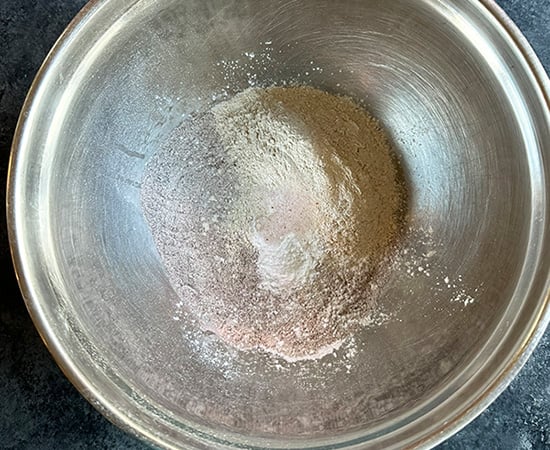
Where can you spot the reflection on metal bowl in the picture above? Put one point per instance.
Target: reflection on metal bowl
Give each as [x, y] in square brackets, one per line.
[465, 102]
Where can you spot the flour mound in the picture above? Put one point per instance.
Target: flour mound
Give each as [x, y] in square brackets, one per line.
[273, 213]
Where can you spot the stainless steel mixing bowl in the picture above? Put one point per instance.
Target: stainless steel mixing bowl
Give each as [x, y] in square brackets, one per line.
[466, 104]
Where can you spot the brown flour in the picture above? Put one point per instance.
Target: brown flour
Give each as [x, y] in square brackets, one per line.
[273, 214]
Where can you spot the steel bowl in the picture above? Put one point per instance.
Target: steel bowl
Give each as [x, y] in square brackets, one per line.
[466, 104]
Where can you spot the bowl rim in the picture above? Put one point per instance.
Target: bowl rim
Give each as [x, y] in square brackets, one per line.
[130, 424]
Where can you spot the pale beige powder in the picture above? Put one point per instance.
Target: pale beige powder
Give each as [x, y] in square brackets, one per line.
[300, 203]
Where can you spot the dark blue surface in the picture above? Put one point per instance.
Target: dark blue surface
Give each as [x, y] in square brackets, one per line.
[40, 409]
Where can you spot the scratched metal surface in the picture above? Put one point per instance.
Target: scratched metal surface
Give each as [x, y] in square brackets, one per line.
[464, 112]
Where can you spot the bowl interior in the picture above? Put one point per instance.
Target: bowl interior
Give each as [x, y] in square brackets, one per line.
[458, 101]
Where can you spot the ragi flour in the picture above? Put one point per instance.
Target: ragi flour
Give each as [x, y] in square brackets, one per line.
[274, 213]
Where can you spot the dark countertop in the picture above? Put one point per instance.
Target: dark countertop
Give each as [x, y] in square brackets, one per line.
[40, 409]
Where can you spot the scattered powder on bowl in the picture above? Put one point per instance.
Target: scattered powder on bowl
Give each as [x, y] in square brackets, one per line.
[274, 213]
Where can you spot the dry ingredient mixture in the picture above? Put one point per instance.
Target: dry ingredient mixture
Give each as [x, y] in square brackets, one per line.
[274, 213]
